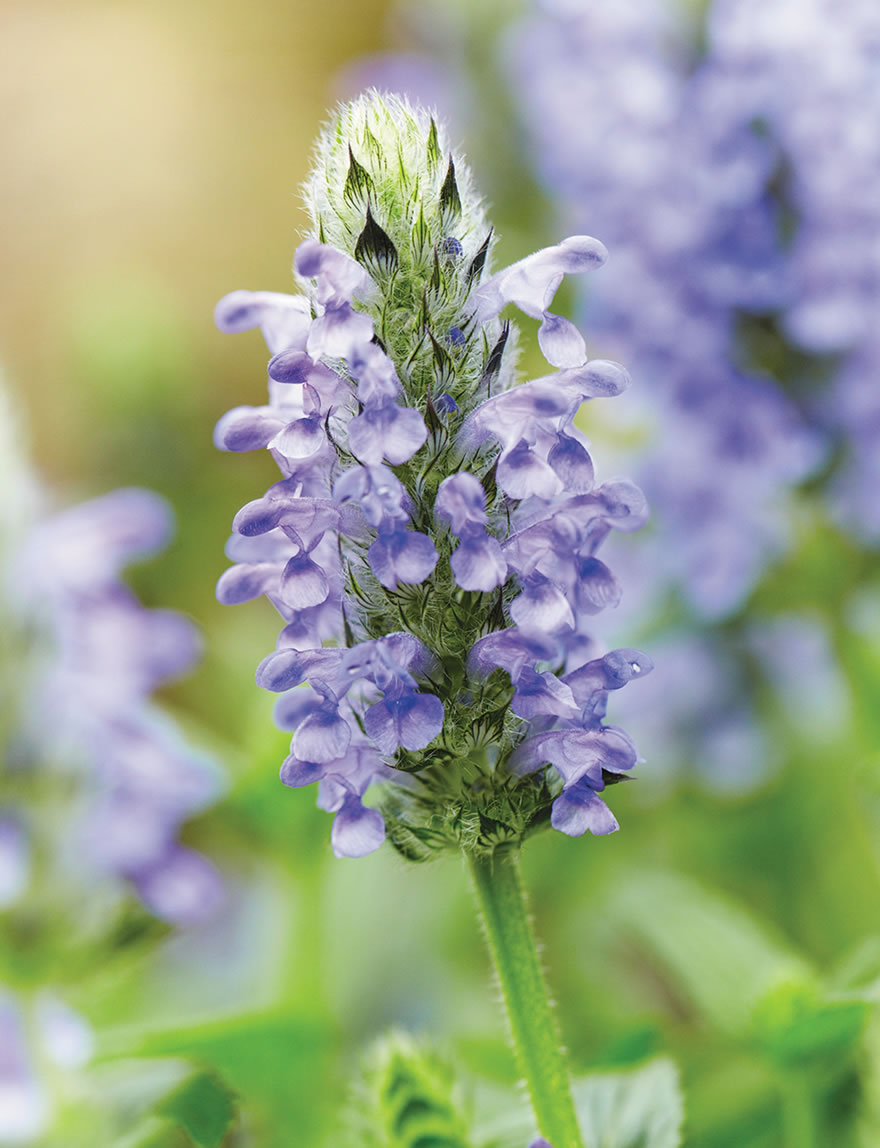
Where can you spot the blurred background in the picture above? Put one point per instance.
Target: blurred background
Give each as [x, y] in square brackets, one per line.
[152, 160]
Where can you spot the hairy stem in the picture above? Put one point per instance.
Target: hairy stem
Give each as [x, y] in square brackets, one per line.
[533, 1028]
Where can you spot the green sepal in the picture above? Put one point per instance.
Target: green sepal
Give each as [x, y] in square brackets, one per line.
[358, 184]
[421, 236]
[475, 270]
[450, 200]
[433, 145]
[493, 363]
[374, 248]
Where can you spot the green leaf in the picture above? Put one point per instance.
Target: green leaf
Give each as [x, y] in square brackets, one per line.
[277, 1064]
[796, 1026]
[204, 1106]
[720, 956]
[155, 1133]
[638, 1109]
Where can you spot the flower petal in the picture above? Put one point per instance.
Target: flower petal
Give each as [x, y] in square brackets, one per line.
[356, 830]
[246, 428]
[412, 721]
[461, 500]
[542, 606]
[578, 810]
[522, 474]
[324, 736]
[561, 343]
[242, 583]
[478, 563]
[402, 556]
[296, 773]
[571, 461]
[303, 583]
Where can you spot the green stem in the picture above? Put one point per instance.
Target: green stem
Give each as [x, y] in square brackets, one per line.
[536, 1041]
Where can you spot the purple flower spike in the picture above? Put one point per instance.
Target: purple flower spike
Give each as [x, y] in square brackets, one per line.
[303, 583]
[291, 367]
[296, 773]
[244, 583]
[596, 587]
[478, 563]
[511, 650]
[401, 434]
[287, 668]
[537, 695]
[339, 332]
[283, 319]
[610, 672]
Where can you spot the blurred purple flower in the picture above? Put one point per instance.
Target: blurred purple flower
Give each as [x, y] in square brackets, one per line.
[808, 72]
[104, 655]
[649, 148]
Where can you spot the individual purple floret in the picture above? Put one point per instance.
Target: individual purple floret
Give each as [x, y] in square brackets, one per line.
[92, 713]
[434, 524]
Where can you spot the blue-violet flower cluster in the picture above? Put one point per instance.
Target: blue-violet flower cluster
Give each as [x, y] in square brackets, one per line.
[103, 654]
[432, 543]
